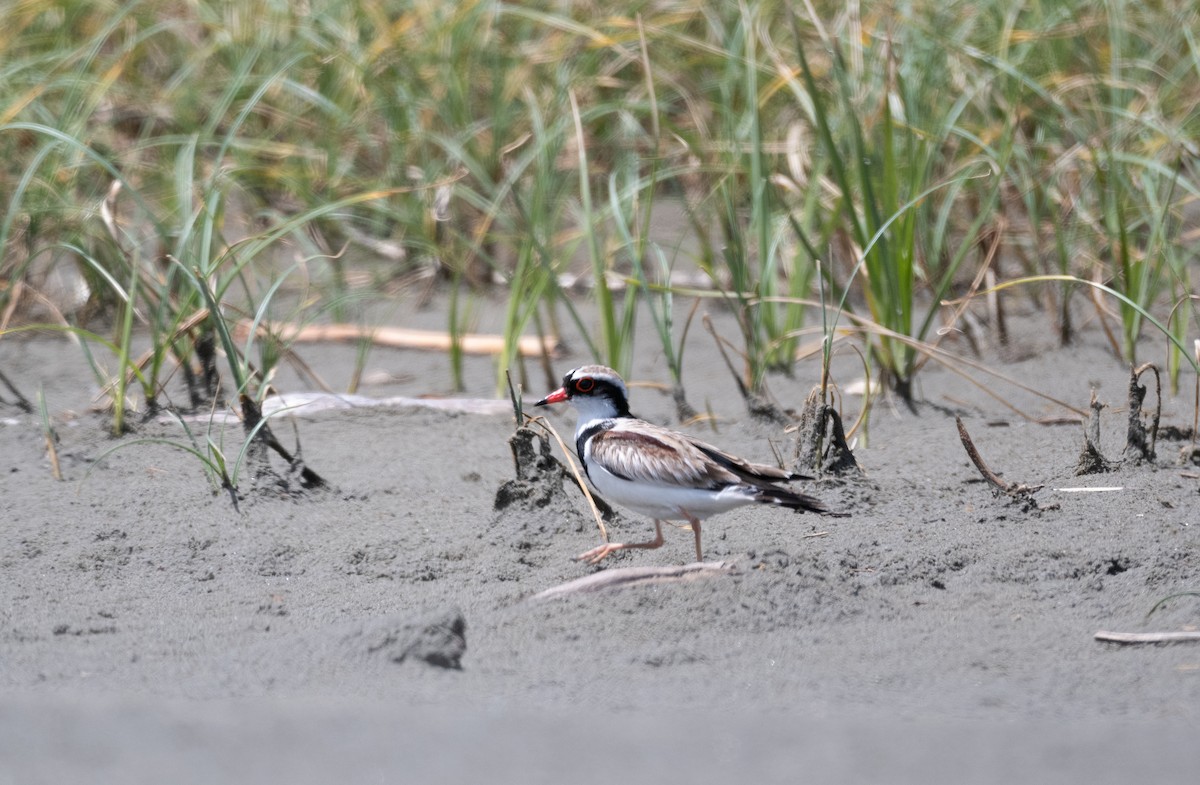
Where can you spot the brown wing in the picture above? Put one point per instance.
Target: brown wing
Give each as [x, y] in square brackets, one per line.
[753, 473]
[654, 454]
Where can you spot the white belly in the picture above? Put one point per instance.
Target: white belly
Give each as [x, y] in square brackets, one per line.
[666, 502]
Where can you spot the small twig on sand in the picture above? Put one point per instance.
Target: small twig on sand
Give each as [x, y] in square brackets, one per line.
[1148, 637]
[22, 402]
[633, 576]
[1019, 492]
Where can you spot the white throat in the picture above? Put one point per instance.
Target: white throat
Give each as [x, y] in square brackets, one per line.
[591, 410]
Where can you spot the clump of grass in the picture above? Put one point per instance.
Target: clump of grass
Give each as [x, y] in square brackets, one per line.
[897, 155]
[223, 475]
[886, 142]
[1100, 181]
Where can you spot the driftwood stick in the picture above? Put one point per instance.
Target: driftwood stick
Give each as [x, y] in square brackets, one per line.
[430, 340]
[1018, 492]
[633, 576]
[1148, 637]
[992, 478]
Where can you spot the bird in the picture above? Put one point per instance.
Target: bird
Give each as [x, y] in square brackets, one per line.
[658, 472]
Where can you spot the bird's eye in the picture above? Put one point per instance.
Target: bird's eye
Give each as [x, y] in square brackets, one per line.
[585, 384]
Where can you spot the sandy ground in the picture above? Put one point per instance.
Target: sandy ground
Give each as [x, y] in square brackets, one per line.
[937, 634]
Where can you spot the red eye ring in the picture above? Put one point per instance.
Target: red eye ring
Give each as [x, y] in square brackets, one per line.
[586, 384]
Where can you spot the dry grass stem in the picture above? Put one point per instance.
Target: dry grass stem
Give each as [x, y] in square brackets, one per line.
[759, 405]
[50, 436]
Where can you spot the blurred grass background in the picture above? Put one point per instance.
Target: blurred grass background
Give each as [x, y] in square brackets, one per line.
[846, 168]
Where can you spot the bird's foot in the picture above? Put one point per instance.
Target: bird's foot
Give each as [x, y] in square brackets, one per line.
[598, 554]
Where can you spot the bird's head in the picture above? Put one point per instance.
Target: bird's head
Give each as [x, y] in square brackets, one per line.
[596, 389]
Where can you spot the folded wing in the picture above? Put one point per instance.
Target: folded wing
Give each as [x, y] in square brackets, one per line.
[658, 456]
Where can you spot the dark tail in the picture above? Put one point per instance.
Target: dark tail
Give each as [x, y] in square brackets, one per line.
[794, 501]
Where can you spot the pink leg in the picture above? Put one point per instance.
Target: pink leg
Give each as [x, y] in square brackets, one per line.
[596, 555]
[695, 523]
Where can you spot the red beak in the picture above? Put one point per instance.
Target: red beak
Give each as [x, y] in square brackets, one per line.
[558, 396]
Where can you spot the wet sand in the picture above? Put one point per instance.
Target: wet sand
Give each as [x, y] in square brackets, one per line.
[937, 634]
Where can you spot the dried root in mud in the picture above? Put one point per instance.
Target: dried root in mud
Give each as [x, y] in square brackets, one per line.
[297, 480]
[204, 388]
[540, 476]
[1091, 460]
[1139, 444]
[1019, 493]
[1140, 441]
[821, 442]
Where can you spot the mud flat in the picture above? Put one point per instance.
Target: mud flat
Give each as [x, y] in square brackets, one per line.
[386, 629]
